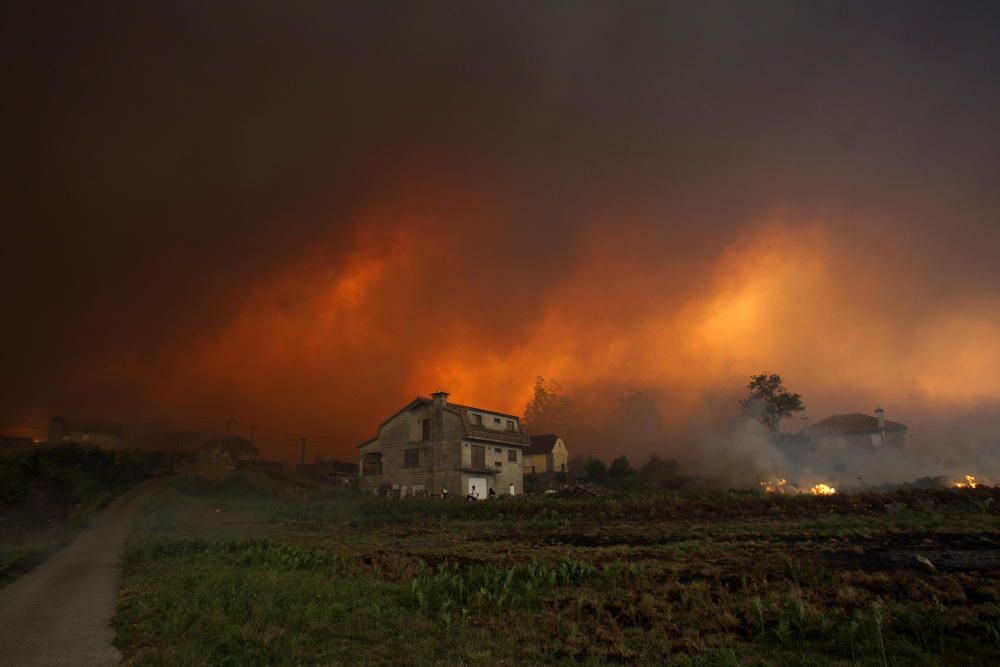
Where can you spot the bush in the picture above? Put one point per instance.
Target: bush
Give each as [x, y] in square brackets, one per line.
[70, 475]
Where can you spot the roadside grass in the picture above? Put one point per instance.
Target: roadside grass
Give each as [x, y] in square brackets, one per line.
[258, 570]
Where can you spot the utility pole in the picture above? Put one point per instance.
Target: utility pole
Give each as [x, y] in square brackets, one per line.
[302, 453]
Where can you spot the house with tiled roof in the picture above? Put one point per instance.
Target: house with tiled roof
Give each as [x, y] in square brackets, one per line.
[857, 430]
[547, 454]
[430, 445]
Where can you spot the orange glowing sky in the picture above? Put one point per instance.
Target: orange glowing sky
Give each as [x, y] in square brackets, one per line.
[304, 216]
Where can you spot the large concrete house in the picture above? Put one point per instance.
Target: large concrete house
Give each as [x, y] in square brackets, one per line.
[431, 444]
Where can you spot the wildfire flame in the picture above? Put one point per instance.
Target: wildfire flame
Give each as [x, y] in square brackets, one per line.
[969, 483]
[774, 486]
[782, 486]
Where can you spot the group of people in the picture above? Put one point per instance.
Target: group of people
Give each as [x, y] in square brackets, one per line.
[474, 494]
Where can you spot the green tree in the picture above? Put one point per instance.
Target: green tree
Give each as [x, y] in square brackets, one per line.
[596, 470]
[619, 468]
[768, 401]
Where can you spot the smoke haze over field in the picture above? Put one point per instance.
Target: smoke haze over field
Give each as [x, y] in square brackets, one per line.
[305, 214]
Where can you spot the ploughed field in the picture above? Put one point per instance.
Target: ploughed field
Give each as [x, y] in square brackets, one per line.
[262, 570]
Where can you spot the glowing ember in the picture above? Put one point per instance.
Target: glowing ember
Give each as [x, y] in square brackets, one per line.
[969, 483]
[774, 486]
[822, 490]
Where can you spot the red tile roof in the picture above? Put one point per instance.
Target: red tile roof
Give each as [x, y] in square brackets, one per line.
[853, 423]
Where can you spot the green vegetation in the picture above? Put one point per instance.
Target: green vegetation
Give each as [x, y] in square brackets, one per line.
[264, 570]
[47, 494]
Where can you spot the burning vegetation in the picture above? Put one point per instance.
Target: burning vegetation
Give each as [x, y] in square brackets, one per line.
[969, 483]
[783, 486]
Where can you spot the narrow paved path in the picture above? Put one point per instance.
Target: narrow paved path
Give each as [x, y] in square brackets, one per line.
[60, 612]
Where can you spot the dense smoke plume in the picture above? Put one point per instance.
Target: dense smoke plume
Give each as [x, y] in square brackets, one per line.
[305, 214]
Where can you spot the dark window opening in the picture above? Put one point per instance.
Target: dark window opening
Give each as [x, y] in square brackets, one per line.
[512, 455]
[499, 464]
[371, 465]
[411, 458]
[496, 420]
[426, 425]
[510, 425]
[477, 420]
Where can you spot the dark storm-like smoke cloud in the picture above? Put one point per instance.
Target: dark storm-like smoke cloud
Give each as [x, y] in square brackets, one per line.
[170, 163]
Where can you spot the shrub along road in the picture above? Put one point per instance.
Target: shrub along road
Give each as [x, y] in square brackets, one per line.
[60, 612]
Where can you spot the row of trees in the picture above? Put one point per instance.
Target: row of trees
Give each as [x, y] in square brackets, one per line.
[636, 423]
[656, 473]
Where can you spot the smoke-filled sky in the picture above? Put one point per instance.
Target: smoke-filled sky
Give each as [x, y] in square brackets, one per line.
[303, 214]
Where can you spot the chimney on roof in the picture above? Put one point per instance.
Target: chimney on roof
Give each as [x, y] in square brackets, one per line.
[880, 415]
[440, 400]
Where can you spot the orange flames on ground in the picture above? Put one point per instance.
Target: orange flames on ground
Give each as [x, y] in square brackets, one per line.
[969, 483]
[774, 486]
[782, 486]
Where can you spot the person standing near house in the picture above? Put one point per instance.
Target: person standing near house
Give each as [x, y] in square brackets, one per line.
[492, 493]
[444, 492]
[512, 488]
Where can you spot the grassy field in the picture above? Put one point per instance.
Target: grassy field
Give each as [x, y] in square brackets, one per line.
[259, 570]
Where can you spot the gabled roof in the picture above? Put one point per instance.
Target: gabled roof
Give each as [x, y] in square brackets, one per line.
[541, 444]
[519, 437]
[853, 423]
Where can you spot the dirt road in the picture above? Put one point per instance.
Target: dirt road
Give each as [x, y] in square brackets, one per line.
[60, 612]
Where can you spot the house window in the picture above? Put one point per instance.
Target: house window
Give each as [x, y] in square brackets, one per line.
[411, 458]
[512, 455]
[371, 465]
[498, 450]
[426, 425]
[510, 425]
[496, 420]
[498, 464]
[477, 420]
[478, 457]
